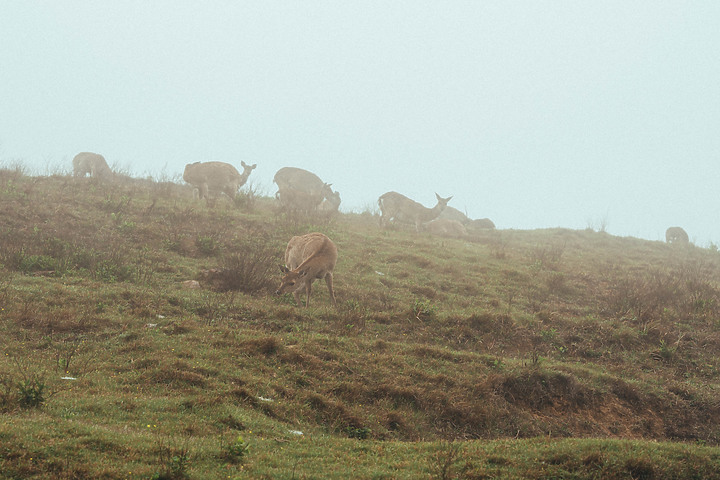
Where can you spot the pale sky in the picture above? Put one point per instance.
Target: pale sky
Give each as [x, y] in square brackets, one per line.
[536, 114]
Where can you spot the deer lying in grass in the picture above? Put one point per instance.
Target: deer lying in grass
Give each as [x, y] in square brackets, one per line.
[92, 163]
[445, 227]
[307, 258]
[216, 177]
[676, 235]
[397, 207]
[478, 224]
[452, 213]
[299, 189]
[481, 224]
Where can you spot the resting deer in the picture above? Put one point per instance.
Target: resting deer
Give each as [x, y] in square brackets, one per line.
[92, 163]
[307, 258]
[454, 214]
[216, 177]
[394, 206]
[446, 227]
[451, 213]
[481, 224]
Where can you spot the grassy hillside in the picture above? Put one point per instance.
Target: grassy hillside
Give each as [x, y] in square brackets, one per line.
[509, 354]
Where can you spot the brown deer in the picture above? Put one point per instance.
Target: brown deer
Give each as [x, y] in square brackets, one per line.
[445, 227]
[299, 200]
[216, 178]
[481, 224]
[307, 258]
[300, 189]
[676, 235]
[92, 163]
[451, 213]
[394, 206]
[454, 214]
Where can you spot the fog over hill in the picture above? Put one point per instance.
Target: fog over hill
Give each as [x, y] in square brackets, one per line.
[535, 114]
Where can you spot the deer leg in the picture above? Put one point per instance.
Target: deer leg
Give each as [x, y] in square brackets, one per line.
[328, 280]
[308, 291]
[297, 298]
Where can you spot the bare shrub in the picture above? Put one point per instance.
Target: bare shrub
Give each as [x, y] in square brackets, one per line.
[547, 256]
[557, 283]
[246, 200]
[442, 462]
[248, 269]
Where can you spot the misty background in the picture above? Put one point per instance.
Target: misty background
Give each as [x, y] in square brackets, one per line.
[536, 114]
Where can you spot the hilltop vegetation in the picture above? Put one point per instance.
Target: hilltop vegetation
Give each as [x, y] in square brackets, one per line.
[532, 354]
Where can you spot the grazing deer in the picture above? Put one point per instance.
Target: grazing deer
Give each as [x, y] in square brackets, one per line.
[328, 207]
[299, 200]
[92, 163]
[307, 258]
[305, 187]
[394, 206]
[676, 235]
[216, 177]
[331, 204]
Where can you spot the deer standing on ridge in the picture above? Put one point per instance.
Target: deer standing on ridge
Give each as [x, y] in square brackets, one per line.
[677, 235]
[92, 163]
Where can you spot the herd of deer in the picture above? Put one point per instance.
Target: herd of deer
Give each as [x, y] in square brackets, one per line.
[313, 256]
[303, 191]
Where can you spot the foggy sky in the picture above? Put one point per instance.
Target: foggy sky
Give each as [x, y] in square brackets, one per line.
[533, 113]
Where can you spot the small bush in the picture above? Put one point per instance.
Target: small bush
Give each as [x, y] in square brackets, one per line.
[109, 271]
[246, 200]
[361, 433]
[175, 462]
[36, 263]
[31, 392]
[442, 462]
[423, 310]
[236, 451]
[248, 270]
[547, 257]
[206, 245]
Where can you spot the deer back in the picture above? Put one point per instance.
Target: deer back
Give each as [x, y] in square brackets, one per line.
[311, 251]
[299, 179]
